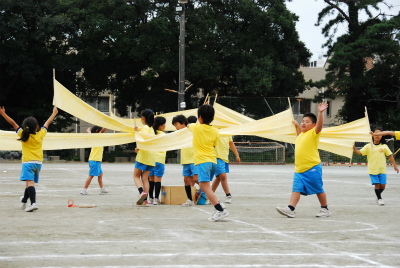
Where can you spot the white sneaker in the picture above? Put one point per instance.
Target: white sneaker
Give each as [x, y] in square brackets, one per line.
[84, 191]
[151, 200]
[223, 205]
[218, 215]
[228, 199]
[380, 202]
[156, 201]
[23, 205]
[286, 211]
[208, 202]
[323, 212]
[31, 207]
[103, 190]
[188, 203]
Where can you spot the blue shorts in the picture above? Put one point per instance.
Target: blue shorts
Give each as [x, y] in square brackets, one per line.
[95, 168]
[30, 172]
[189, 170]
[158, 170]
[380, 178]
[143, 167]
[206, 171]
[222, 167]
[309, 182]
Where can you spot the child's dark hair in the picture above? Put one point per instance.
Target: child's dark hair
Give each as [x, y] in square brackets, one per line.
[383, 139]
[96, 129]
[181, 119]
[311, 116]
[148, 116]
[206, 112]
[29, 126]
[158, 121]
[192, 119]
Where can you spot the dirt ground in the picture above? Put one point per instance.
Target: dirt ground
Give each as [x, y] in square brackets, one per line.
[118, 234]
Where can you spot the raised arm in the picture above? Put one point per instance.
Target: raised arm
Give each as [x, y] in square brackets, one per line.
[234, 150]
[51, 118]
[320, 120]
[384, 133]
[8, 119]
[356, 151]
[298, 129]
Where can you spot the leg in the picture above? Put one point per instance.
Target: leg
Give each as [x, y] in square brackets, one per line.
[157, 186]
[100, 179]
[322, 199]
[215, 183]
[136, 177]
[88, 181]
[224, 182]
[188, 184]
[205, 187]
[294, 199]
[151, 186]
[145, 179]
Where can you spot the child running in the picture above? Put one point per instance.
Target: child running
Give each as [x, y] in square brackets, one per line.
[145, 160]
[157, 173]
[222, 153]
[189, 171]
[308, 171]
[32, 154]
[377, 163]
[204, 140]
[95, 158]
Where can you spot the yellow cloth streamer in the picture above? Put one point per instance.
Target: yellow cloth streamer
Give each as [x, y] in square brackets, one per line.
[58, 141]
[70, 103]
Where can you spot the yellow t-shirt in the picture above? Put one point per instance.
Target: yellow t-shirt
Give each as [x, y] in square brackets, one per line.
[187, 156]
[160, 156]
[306, 151]
[96, 154]
[376, 158]
[397, 134]
[32, 148]
[143, 156]
[222, 148]
[205, 138]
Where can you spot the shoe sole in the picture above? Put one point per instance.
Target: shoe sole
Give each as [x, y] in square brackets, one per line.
[224, 216]
[141, 199]
[36, 208]
[324, 216]
[284, 214]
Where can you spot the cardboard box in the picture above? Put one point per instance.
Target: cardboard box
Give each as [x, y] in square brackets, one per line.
[175, 195]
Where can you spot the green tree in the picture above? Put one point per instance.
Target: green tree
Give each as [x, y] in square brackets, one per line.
[32, 39]
[348, 74]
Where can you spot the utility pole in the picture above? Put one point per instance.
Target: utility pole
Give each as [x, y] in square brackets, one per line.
[181, 91]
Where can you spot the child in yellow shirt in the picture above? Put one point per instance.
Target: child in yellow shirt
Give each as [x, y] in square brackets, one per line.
[377, 162]
[189, 171]
[308, 171]
[158, 171]
[95, 158]
[204, 140]
[32, 153]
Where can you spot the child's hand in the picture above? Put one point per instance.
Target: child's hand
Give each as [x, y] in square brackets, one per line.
[2, 110]
[322, 106]
[55, 110]
[396, 169]
[238, 159]
[137, 150]
[372, 133]
[295, 123]
[88, 130]
[136, 129]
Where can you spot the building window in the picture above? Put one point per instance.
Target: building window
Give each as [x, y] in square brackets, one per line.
[101, 103]
[329, 109]
[302, 106]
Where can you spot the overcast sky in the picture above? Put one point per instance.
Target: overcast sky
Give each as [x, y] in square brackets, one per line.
[311, 35]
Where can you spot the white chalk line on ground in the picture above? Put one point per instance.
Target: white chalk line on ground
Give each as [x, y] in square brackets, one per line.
[221, 266]
[291, 238]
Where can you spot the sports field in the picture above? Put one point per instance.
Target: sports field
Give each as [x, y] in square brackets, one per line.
[118, 234]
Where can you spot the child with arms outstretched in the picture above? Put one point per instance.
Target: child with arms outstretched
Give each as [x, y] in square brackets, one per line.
[377, 162]
[308, 171]
[32, 153]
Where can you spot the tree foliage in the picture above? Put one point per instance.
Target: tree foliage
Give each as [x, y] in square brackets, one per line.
[375, 40]
[130, 49]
